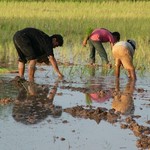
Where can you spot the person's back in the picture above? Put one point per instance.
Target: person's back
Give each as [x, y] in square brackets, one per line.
[102, 35]
[126, 45]
[40, 40]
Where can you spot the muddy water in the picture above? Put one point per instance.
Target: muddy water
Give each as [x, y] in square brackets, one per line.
[64, 123]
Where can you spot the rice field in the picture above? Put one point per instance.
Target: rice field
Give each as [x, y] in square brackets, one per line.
[46, 130]
[72, 19]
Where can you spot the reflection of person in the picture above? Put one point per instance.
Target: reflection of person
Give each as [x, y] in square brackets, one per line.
[96, 38]
[34, 45]
[97, 93]
[123, 100]
[123, 52]
[99, 96]
[35, 103]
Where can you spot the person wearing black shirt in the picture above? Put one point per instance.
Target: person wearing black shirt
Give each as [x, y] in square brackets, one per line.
[35, 46]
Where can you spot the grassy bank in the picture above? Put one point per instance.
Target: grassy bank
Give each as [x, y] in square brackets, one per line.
[72, 19]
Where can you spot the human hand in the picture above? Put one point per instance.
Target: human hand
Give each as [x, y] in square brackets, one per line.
[108, 66]
[84, 43]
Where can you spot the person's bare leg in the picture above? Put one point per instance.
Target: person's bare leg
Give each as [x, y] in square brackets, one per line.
[129, 74]
[21, 69]
[31, 70]
[117, 88]
[132, 74]
[117, 67]
[117, 71]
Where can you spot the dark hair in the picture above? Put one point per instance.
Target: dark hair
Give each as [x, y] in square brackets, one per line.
[117, 35]
[132, 42]
[59, 39]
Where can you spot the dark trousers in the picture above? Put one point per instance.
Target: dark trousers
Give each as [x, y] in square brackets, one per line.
[97, 46]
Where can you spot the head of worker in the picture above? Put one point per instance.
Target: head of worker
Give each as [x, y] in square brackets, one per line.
[57, 40]
[116, 36]
[133, 43]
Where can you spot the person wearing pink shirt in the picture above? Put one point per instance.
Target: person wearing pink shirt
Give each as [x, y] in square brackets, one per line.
[96, 38]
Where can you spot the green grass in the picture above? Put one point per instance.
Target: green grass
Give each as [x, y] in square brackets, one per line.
[11, 69]
[72, 19]
[4, 70]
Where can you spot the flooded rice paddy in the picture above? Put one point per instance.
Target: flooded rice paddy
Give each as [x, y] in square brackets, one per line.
[88, 110]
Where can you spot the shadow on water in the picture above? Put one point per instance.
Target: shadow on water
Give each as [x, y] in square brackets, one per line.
[87, 99]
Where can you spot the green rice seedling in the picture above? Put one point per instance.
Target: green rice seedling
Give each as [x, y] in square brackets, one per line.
[72, 19]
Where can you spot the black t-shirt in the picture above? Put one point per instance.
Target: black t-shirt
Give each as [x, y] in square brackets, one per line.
[41, 42]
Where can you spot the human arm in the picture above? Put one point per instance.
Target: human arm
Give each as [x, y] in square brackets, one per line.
[117, 67]
[111, 45]
[85, 41]
[112, 40]
[88, 33]
[55, 66]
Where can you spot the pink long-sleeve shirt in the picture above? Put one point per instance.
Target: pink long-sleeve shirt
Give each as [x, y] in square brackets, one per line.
[102, 35]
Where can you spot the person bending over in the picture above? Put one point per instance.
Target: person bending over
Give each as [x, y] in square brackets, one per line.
[95, 40]
[33, 45]
[123, 52]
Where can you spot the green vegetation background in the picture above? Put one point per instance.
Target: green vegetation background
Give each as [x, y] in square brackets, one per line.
[72, 19]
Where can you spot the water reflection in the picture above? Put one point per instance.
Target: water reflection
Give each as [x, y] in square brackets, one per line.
[97, 89]
[99, 96]
[34, 103]
[123, 100]
[93, 71]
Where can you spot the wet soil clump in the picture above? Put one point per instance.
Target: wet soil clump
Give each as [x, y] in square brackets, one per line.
[98, 114]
